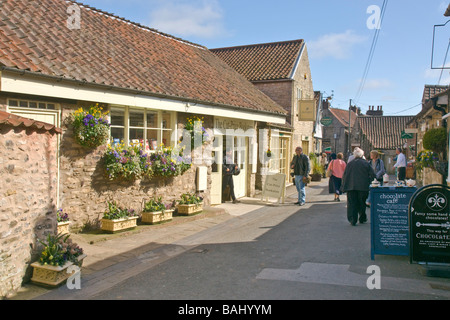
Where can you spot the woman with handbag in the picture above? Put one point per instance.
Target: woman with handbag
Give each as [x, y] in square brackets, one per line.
[335, 171]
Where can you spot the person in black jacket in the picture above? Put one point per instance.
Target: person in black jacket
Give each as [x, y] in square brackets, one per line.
[228, 170]
[300, 164]
[356, 181]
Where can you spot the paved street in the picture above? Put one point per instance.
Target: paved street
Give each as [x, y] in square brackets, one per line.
[252, 251]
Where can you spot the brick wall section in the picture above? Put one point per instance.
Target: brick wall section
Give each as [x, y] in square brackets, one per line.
[28, 173]
[84, 190]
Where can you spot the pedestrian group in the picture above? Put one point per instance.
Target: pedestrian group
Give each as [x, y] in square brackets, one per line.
[353, 178]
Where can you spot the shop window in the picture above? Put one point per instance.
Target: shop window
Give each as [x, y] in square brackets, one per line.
[141, 125]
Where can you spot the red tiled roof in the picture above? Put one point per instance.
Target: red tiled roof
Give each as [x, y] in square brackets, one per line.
[384, 132]
[18, 121]
[112, 51]
[266, 61]
[431, 90]
[342, 116]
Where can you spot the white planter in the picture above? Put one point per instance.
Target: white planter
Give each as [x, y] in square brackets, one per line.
[189, 209]
[63, 227]
[52, 276]
[157, 217]
[119, 224]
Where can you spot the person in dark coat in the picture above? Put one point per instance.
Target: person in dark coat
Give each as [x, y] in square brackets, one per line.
[301, 165]
[228, 169]
[356, 182]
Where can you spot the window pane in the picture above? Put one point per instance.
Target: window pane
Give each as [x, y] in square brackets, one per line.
[167, 137]
[42, 105]
[152, 137]
[166, 120]
[117, 117]
[24, 104]
[32, 104]
[152, 119]
[117, 135]
[136, 134]
[136, 118]
[13, 103]
[51, 106]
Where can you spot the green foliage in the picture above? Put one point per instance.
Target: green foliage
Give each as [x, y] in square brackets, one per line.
[115, 212]
[58, 250]
[435, 140]
[90, 128]
[189, 198]
[426, 159]
[154, 205]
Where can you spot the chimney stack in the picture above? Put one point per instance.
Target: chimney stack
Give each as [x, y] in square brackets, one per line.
[373, 112]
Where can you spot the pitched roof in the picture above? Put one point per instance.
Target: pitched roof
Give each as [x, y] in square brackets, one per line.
[430, 91]
[384, 132]
[21, 122]
[109, 50]
[342, 116]
[266, 61]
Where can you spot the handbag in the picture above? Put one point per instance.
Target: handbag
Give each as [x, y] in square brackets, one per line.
[330, 172]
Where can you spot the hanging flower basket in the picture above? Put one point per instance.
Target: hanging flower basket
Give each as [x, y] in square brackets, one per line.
[90, 128]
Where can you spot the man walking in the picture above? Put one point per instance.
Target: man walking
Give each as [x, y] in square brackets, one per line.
[356, 180]
[400, 165]
[300, 164]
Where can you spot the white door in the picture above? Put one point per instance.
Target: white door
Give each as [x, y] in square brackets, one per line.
[240, 158]
[216, 172]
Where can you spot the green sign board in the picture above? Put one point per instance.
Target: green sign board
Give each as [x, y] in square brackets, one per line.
[326, 121]
[407, 135]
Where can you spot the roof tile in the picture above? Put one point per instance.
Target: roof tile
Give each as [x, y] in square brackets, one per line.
[110, 50]
[266, 61]
[18, 121]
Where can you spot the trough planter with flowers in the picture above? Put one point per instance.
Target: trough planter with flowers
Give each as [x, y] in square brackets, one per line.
[189, 204]
[58, 255]
[63, 222]
[118, 219]
[155, 211]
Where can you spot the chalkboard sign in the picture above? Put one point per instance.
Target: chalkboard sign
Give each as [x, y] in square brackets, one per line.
[274, 187]
[430, 224]
[389, 220]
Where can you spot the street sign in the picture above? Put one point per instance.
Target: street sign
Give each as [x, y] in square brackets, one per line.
[430, 224]
[407, 135]
[389, 220]
[326, 121]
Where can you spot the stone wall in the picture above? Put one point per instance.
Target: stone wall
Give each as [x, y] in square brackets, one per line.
[85, 191]
[28, 176]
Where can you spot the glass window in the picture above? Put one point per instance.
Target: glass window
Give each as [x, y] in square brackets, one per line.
[31, 104]
[139, 125]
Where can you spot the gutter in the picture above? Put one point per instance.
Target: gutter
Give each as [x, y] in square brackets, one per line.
[133, 91]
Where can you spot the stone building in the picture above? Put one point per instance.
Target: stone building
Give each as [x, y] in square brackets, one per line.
[434, 114]
[281, 70]
[148, 81]
[337, 132]
[28, 176]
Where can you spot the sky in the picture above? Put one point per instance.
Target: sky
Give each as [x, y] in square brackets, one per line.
[339, 36]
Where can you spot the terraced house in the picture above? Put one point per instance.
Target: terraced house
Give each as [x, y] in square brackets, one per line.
[59, 56]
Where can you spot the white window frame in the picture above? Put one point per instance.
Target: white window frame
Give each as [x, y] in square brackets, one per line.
[172, 127]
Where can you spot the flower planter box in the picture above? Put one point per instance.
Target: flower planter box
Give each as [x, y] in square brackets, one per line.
[52, 276]
[119, 224]
[63, 227]
[157, 217]
[189, 209]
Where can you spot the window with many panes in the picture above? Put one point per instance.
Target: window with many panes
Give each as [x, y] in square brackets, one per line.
[31, 104]
[154, 127]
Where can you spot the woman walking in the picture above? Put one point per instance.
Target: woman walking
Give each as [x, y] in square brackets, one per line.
[356, 181]
[336, 168]
[377, 166]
